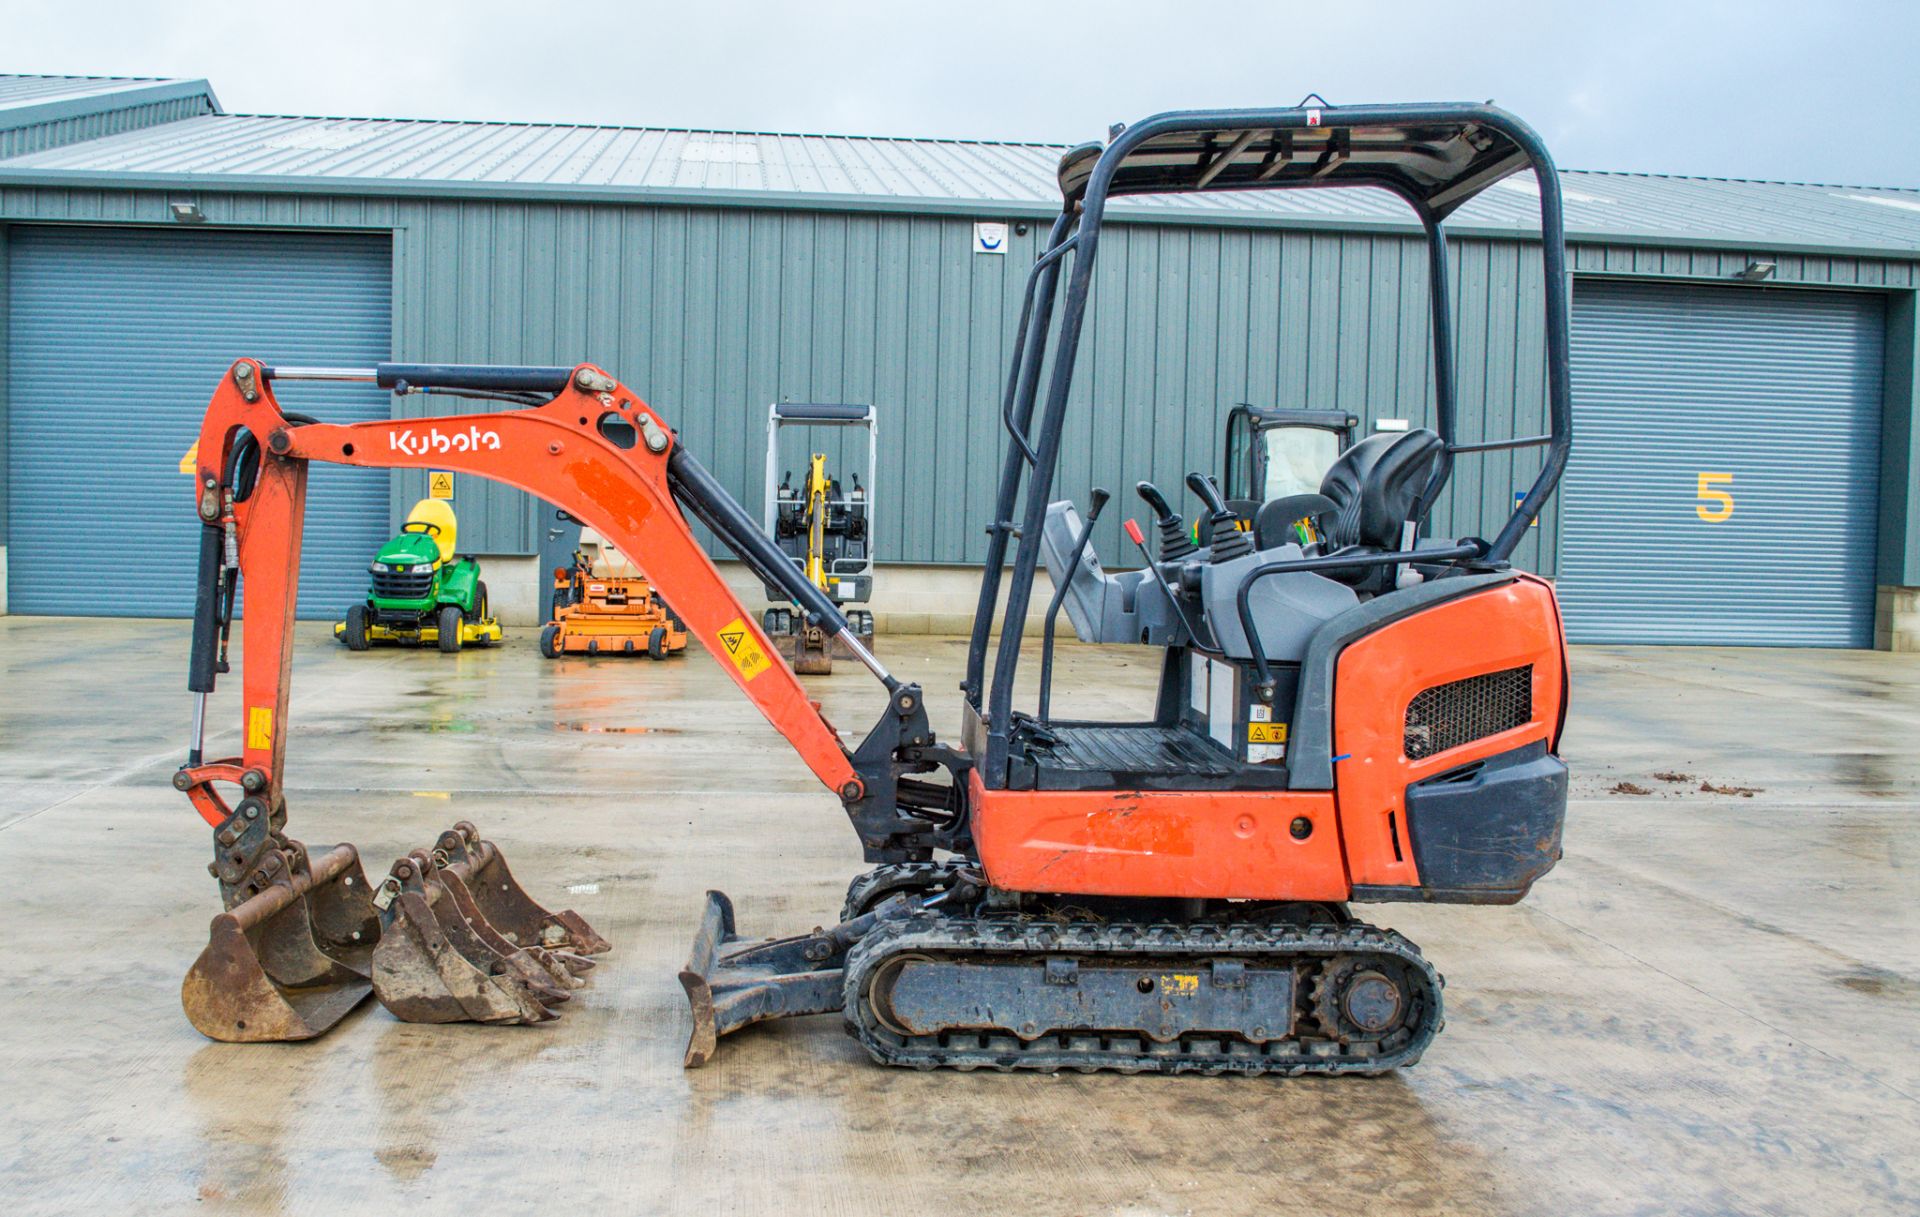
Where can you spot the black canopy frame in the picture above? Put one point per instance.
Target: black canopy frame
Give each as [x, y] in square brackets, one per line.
[1435, 157]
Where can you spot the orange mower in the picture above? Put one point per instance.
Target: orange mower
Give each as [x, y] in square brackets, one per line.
[605, 605]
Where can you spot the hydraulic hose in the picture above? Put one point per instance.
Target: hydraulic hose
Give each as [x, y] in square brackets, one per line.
[702, 494]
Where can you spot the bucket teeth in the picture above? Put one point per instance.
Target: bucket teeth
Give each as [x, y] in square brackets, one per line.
[506, 904]
[461, 941]
[290, 961]
[575, 965]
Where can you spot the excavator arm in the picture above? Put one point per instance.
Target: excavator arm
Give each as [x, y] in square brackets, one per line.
[594, 449]
[449, 934]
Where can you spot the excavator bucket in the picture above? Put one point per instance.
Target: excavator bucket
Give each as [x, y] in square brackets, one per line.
[447, 954]
[291, 961]
[506, 904]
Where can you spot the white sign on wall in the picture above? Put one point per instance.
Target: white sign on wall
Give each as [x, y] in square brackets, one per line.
[989, 238]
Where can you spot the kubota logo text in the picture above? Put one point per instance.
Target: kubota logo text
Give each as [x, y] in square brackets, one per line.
[420, 443]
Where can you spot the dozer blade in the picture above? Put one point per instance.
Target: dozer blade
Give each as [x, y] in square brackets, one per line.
[733, 982]
[506, 904]
[440, 962]
[290, 962]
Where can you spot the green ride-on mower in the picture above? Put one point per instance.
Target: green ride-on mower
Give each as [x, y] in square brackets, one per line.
[421, 591]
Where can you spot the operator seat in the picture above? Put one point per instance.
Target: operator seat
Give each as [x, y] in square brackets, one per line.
[435, 517]
[1373, 488]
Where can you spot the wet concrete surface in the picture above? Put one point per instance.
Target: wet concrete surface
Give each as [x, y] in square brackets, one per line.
[1711, 1006]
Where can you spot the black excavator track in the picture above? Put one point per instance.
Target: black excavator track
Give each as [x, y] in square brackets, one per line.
[870, 888]
[1215, 996]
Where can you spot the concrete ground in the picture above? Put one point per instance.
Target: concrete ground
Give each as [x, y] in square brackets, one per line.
[1712, 1006]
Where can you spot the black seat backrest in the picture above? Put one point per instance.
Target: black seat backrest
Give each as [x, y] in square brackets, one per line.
[1374, 485]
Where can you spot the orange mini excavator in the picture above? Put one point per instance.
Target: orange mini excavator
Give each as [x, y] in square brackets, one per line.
[1369, 716]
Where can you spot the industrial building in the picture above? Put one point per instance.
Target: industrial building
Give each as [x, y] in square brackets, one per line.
[1744, 468]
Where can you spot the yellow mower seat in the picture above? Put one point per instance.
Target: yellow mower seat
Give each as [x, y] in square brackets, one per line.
[444, 527]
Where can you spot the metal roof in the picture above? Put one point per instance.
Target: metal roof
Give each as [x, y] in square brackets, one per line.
[971, 177]
[36, 99]
[27, 90]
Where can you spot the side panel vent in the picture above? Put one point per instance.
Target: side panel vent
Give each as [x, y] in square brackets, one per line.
[1462, 711]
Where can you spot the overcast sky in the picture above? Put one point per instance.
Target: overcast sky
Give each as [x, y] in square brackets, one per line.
[1786, 89]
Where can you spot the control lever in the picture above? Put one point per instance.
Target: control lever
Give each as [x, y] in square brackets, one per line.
[1140, 539]
[1174, 541]
[1228, 541]
[1100, 497]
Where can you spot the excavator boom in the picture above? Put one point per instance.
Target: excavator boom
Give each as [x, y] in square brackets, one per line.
[568, 452]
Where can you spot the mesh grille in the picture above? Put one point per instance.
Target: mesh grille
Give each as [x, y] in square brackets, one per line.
[1447, 716]
[393, 585]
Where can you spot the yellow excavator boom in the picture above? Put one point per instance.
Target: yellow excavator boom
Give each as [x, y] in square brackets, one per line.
[816, 498]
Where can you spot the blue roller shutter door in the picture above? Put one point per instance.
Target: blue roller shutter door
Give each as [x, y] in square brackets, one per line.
[1725, 467]
[116, 340]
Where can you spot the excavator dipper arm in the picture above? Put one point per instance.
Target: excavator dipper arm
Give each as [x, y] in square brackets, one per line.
[595, 449]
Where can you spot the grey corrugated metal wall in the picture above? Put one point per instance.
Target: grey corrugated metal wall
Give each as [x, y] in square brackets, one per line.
[116, 339]
[1686, 394]
[711, 314]
[545, 282]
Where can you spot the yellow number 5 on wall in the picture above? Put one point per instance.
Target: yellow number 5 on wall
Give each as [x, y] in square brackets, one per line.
[1715, 505]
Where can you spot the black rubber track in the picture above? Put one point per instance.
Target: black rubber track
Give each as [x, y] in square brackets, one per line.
[1308, 1050]
[869, 888]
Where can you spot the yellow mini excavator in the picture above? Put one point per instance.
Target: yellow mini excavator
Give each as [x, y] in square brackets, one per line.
[824, 529]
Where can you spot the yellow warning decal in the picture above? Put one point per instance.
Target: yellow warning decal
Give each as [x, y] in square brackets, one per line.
[259, 727]
[1180, 984]
[191, 458]
[1266, 733]
[737, 641]
[439, 484]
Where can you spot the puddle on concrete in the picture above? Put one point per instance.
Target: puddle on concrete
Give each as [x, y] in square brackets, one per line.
[1872, 771]
[437, 726]
[1877, 982]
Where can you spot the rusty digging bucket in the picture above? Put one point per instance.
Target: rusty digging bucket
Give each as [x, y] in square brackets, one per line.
[460, 939]
[448, 936]
[291, 961]
[506, 904]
